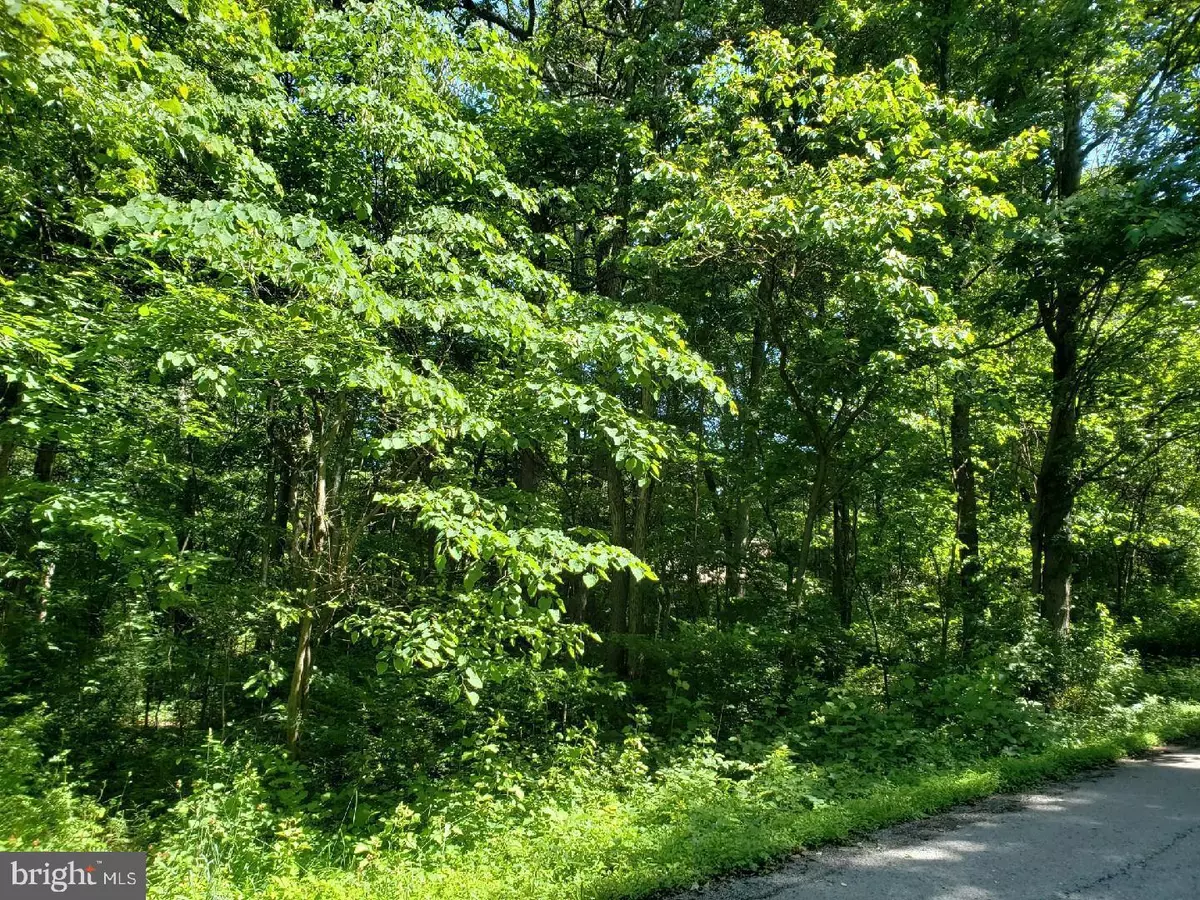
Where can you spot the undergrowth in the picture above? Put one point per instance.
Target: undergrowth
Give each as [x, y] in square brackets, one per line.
[610, 826]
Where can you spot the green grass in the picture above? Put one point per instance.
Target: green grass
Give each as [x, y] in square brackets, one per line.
[684, 827]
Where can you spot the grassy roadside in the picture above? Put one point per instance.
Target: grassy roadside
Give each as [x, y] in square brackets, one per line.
[688, 826]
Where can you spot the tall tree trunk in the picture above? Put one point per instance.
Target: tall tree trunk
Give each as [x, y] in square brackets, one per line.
[699, 607]
[269, 492]
[735, 557]
[268, 539]
[610, 282]
[287, 498]
[723, 516]
[1052, 543]
[966, 532]
[577, 601]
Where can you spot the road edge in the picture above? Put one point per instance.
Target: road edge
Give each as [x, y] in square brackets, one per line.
[893, 804]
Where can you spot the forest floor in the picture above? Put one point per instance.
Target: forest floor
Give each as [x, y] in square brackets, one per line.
[1128, 831]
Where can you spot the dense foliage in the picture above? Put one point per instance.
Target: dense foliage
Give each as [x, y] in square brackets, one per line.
[432, 432]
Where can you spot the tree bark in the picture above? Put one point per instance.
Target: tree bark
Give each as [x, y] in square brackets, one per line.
[637, 589]
[619, 584]
[527, 479]
[966, 532]
[844, 540]
[10, 395]
[700, 607]
[43, 463]
[735, 565]
[302, 668]
[816, 504]
[1053, 549]
[301, 676]
[1055, 502]
[610, 281]
[641, 534]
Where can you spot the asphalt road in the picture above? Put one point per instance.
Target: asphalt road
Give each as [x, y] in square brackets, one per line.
[1129, 833]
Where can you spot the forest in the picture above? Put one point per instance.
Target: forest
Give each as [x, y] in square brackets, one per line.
[573, 448]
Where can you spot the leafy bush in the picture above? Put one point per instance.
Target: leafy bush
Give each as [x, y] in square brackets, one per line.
[1177, 682]
[718, 679]
[241, 820]
[39, 806]
[1173, 630]
[984, 709]
[1098, 673]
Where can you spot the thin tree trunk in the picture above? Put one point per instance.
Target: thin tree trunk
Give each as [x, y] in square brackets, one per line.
[288, 491]
[619, 585]
[1128, 560]
[10, 394]
[641, 534]
[699, 607]
[735, 568]
[1056, 499]
[610, 282]
[301, 675]
[269, 496]
[843, 562]
[637, 589]
[577, 601]
[318, 539]
[268, 538]
[44, 598]
[816, 504]
[43, 470]
[967, 519]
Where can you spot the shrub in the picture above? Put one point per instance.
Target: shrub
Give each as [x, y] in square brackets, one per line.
[1170, 631]
[40, 806]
